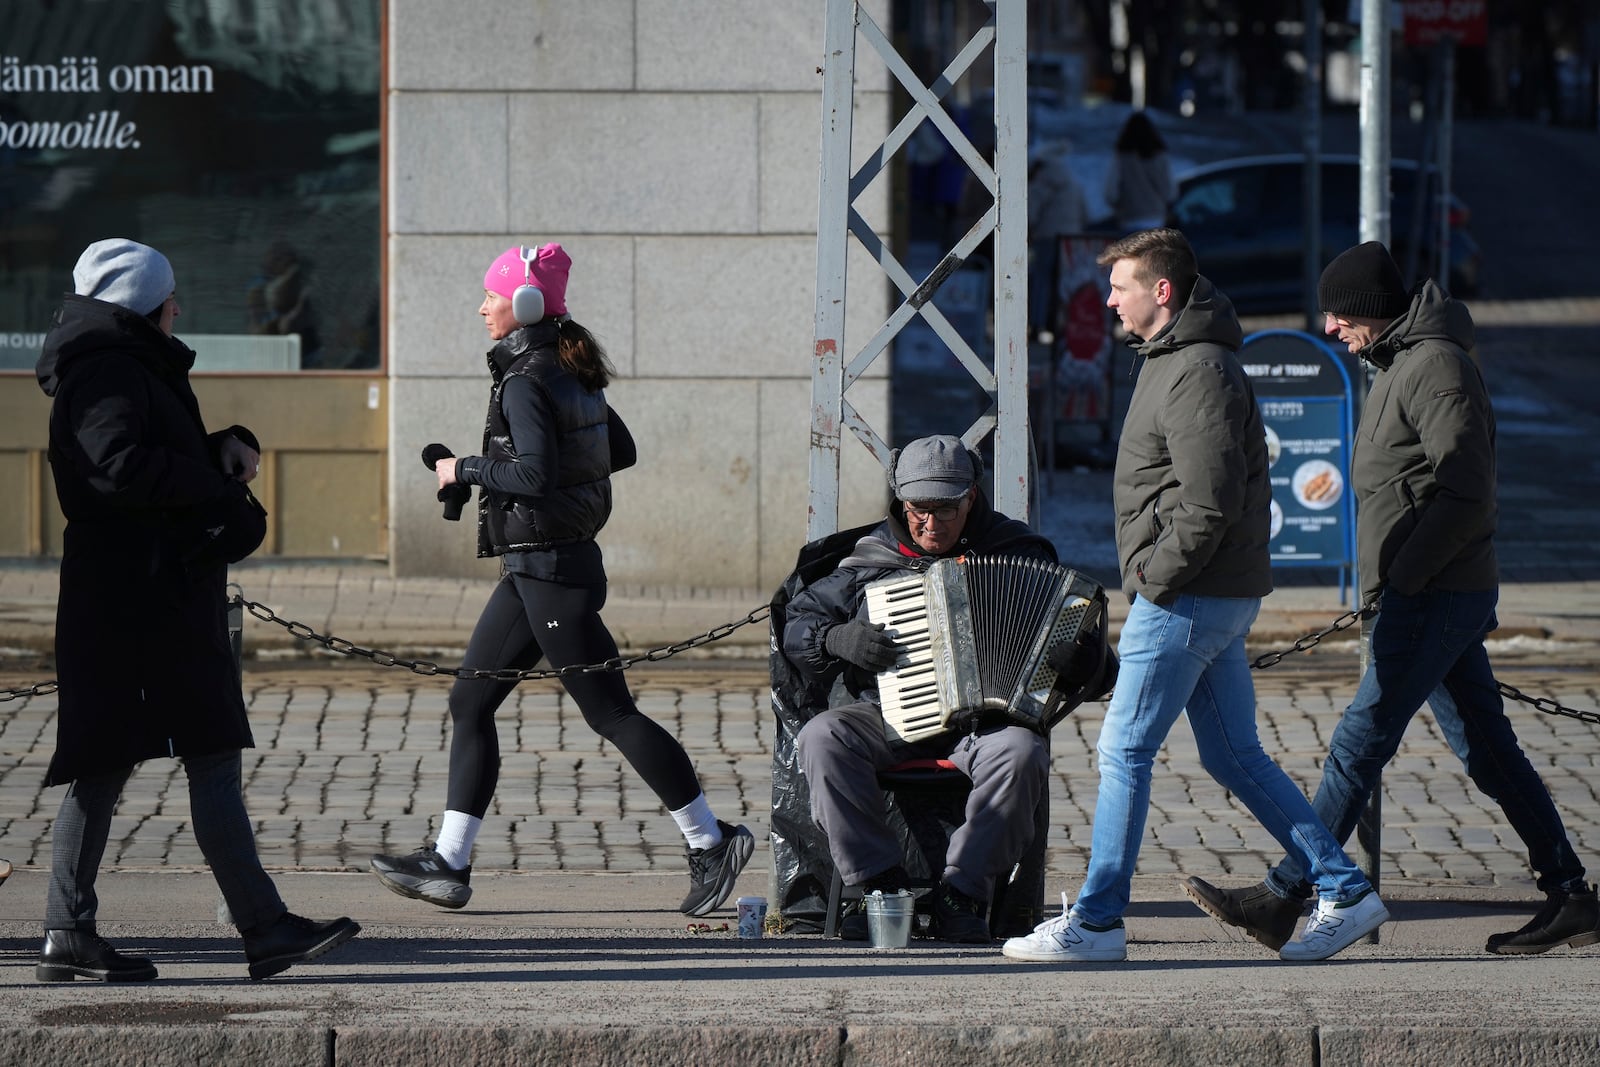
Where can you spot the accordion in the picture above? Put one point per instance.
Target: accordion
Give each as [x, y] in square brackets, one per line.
[977, 634]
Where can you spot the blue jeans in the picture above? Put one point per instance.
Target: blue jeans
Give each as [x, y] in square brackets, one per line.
[1190, 656]
[1429, 648]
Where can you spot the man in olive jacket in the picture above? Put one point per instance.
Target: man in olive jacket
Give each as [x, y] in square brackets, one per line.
[1192, 504]
[1423, 470]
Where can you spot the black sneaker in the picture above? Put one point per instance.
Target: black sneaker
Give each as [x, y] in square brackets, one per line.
[958, 917]
[853, 920]
[424, 876]
[1566, 919]
[70, 954]
[291, 939]
[1258, 911]
[712, 871]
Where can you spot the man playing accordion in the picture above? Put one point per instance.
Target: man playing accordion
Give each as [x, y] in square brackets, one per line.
[939, 513]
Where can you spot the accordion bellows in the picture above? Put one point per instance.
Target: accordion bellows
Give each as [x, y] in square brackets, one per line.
[977, 633]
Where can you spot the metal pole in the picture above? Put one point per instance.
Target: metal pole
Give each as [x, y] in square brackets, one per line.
[833, 206]
[1375, 84]
[1011, 437]
[1447, 111]
[1312, 181]
[236, 626]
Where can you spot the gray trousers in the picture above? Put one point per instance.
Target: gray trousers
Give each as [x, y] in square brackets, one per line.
[841, 752]
[221, 828]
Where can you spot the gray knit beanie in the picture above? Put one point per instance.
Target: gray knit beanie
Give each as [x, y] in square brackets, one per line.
[1365, 283]
[126, 273]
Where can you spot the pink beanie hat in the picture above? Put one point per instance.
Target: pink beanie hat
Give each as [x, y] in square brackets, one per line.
[550, 267]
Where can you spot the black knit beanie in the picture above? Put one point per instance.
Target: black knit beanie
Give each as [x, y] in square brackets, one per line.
[1363, 282]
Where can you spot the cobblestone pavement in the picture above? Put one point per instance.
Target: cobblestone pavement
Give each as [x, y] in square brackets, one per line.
[353, 760]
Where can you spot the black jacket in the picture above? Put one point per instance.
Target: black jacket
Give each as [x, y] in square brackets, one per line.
[142, 649]
[888, 549]
[546, 463]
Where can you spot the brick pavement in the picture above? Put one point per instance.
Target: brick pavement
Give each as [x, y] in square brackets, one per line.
[353, 760]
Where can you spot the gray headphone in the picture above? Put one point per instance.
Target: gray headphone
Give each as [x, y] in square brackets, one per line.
[527, 300]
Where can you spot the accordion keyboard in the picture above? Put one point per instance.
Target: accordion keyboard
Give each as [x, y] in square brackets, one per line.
[909, 692]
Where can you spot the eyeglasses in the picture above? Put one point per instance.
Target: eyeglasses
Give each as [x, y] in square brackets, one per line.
[1328, 316]
[943, 512]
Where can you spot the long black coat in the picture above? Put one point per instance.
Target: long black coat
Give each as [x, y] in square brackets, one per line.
[142, 650]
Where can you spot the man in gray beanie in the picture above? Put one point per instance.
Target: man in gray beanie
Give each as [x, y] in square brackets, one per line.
[1423, 470]
[156, 509]
[939, 512]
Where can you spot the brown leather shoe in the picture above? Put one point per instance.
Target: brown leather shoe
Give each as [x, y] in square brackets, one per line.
[1258, 911]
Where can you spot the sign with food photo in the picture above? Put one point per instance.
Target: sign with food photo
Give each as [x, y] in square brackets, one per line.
[1304, 392]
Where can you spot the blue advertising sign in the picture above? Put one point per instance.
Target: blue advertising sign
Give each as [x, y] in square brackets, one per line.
[1306, 402]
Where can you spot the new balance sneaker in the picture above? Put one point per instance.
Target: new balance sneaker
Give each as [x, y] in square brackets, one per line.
[712, 871]
[958, 917]
[423, 875]
[1336, 925]
[1068, 939]
[1258, 911]
[1566, 919]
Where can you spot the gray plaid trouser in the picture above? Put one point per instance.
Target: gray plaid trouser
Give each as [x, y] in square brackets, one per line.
[221, 827]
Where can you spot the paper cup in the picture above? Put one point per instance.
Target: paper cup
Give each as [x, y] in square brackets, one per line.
[752, 916]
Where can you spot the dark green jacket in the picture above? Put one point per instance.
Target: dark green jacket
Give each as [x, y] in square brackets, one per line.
[1423, 462]
[1192, 498]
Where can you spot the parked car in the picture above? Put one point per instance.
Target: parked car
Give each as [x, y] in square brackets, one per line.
[1244, 219]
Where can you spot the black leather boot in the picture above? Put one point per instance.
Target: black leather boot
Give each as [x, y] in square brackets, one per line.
[70, 954]
[290, 939]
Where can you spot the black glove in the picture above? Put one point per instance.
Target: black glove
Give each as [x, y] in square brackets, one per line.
[864, 644]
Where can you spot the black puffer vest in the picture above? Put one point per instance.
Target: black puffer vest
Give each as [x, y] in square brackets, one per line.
[579, 500]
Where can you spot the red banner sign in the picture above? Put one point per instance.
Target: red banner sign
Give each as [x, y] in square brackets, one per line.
[1430, 21]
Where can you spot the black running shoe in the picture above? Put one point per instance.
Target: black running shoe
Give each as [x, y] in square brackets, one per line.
[712, 871]
[424, 876]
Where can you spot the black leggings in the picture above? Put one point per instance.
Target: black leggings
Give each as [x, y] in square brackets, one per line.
[524, 619]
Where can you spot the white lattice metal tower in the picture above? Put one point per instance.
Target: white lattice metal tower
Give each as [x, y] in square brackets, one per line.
[1005, 178]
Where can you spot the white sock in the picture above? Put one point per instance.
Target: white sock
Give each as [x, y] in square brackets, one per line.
[698, 824]
[457, 832]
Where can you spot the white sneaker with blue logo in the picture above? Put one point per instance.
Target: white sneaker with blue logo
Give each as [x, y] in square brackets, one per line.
[1068, 939]
[1335, 925]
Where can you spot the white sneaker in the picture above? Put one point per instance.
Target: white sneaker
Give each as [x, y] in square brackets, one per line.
[1336, 925]
[1065, 939]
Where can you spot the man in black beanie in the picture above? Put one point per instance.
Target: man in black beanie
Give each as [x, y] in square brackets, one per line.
[1423, 469]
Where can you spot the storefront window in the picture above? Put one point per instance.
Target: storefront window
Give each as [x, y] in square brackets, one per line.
[239, 137]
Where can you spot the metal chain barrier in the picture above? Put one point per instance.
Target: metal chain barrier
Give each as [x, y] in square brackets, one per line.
[37, 689]
[620, 663]
[427, 667]
[1310, 641]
